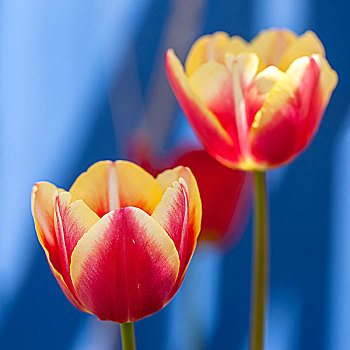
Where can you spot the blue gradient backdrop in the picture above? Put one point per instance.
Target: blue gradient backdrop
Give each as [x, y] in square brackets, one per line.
[63, 66]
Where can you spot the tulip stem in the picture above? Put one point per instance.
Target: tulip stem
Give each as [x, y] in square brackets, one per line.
[128, 336]
[260, 264]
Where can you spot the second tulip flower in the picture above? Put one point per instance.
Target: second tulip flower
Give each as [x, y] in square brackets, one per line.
[257, 105]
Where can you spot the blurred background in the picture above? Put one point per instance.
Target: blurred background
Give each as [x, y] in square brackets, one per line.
[77, 79]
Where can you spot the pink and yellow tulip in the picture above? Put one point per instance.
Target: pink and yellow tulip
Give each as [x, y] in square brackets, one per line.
[120, 241]
[254, 105]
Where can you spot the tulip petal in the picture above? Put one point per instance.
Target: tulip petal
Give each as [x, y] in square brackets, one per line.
[305, 45]
[212, 84]
[72, 221]
[137, 187]
[43, 199]
[213, 48]
[247, 66]
[207, 48]
[259, 90]
[238, 45]
[316, 81]
[132, 263]
[328, 78]
[292, 112]
[92, 187]
[266, 79]
[270, 46]
[107, 185]
[274, 130]
[213, 136]
[165, 180]
[243, 68]
[172, 213]
[77, 219]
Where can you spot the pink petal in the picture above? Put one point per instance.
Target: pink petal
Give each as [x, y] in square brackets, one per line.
[125, 267]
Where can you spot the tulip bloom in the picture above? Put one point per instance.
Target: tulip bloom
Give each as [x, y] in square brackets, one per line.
[225, 203]
[254, 105]
[120, 241]
[225, 194]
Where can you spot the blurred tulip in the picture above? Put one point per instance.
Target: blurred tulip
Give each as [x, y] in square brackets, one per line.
[254, 105]
[226, 197]
[120, 241]
[225, 193]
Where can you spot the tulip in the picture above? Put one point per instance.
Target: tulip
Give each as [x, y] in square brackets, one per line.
[225, 197]
[120, 241]
[225, 203]
[254, 105]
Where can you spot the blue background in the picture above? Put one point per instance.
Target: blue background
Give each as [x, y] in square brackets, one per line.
[75, 79]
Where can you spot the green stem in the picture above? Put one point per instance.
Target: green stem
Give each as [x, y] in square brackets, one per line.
[260, 268]
[128, 336]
